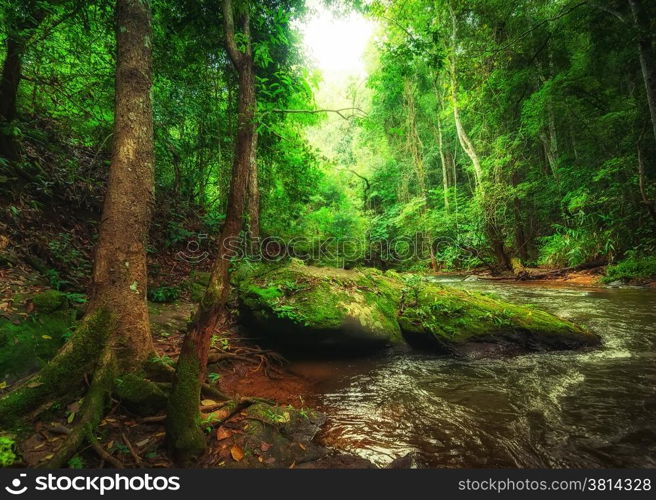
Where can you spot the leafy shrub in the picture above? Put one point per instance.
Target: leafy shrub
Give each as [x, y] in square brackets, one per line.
[7, 451]
[632, 268]
[164, 294]
[574, 246]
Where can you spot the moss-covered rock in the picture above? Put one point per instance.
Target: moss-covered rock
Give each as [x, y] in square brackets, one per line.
[323, 308]
[326, 310]
[460, 322]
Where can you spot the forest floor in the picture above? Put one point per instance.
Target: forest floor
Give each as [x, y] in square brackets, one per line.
[240, 370]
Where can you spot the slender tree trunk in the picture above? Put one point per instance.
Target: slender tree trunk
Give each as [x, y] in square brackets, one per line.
[253, 195]
[185, 437]
[491, 229]
[445, 170]
[416, 150]
[647, 60]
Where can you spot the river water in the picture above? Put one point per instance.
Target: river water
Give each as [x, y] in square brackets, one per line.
[564, 409]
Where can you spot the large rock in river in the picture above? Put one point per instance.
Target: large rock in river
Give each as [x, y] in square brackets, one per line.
[459, 322]
[322, 310]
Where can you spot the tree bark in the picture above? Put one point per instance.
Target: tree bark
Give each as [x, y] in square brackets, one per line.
[186, 439]
[253, 196]
[647, 61]
[119, 274]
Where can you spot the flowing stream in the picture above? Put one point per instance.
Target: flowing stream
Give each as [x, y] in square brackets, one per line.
[563, 409]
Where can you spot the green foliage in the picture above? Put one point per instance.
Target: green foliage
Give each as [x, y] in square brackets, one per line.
[164, 294]
[7, 451]
[77, 462]
[632, 268]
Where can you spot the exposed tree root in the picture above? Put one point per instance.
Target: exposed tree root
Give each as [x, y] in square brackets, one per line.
[103, 454]
[91, 413]
[266, 360]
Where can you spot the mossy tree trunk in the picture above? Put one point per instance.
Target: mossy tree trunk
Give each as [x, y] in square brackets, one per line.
[184, 434]
[114, 336]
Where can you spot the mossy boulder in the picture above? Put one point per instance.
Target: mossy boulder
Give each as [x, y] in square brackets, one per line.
[324, 309]
[459, 322]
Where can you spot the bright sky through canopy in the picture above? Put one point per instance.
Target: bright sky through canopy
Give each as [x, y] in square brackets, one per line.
[336, 43]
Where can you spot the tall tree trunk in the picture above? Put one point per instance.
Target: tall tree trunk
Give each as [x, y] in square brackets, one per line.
[114, 335]
[253, 196]
[120, 274]
[185, 437]
[647, 61]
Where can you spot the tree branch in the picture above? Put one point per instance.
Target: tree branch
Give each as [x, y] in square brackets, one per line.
[229, 25]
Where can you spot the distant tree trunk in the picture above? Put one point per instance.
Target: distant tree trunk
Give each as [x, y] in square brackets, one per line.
[647, 60]
[11, 73]
[416, 151]
[253, 195]
[445, 170]
[184, 434]
[491, 229]
[114, 335]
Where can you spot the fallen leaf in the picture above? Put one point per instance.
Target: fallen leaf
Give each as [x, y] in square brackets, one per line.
[207, 402]
[222, 433]
[32, 385]
[302, 446]
[143, 443]
[265, 446]
[237, 453]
